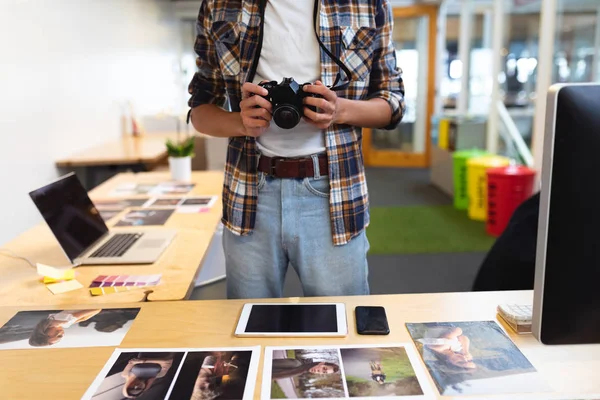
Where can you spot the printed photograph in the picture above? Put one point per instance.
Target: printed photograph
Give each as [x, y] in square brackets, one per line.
[180, 374]
[119, 204]
[109, 214]
[133, 189]
[165, 202]
[173, 189]
[306, 374]
[109, 205]
[197, 201]
[139, 375]
[545, 396]
[144, 188]
[145, 217]
[213, 375]
[379, 372]
[473, 358]
[67, 328]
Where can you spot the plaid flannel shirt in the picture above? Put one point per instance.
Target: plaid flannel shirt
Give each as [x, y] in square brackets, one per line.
[359, 32]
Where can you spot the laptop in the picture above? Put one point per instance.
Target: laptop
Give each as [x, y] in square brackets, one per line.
[82, 233]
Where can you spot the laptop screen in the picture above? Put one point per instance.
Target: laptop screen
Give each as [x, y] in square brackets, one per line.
[70, 214]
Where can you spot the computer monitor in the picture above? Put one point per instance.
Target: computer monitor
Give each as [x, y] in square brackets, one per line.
[567, 277]
[70, 214]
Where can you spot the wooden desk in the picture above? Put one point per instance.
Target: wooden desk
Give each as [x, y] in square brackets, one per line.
[139, 153]
[147, 149]
[208, 183]
[179, 264]
[66, 373]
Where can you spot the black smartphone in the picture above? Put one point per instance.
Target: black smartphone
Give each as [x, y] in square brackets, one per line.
[371, 321]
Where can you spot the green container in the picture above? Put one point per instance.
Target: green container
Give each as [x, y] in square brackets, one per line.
[459, 160]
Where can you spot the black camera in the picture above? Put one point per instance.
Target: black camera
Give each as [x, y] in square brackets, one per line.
[287, 99]
[146, 370]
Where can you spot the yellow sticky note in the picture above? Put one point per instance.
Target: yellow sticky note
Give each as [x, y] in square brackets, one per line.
[63, 287]
[66, 277]
[56, 273]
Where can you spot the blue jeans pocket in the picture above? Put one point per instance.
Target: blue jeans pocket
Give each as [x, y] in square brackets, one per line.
[262, 179]
[318, 187]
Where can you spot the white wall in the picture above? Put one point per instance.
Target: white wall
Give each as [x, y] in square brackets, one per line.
[66, 68]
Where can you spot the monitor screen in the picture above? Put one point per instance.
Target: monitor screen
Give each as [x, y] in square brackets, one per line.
[70, 214]
[567, 300]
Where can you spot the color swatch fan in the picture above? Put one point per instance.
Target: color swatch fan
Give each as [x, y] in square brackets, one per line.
[108, 284]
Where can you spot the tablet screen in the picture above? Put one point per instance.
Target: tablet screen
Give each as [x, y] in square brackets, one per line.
[301, 318]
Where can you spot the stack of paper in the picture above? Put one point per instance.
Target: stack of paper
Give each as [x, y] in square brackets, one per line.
[517, 316]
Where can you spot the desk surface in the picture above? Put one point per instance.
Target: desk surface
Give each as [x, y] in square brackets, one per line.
[146, 149]
[179, 264]
[67, 373]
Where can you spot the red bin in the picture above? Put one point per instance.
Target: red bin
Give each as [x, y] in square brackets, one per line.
[508, 187]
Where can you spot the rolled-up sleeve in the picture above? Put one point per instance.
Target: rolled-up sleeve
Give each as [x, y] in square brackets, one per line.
[207, 85]
[386, 78]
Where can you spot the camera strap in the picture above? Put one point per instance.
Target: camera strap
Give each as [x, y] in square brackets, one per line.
[261, 6]
[336, 85]
[330, 54]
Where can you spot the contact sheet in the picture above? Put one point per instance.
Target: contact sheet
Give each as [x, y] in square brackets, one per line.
[342, 372]
[178, 374]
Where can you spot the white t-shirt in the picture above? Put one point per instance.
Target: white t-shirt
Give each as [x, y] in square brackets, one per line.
[66, 317]
[290, 49]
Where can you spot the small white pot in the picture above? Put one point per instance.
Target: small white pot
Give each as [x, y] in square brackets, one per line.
[181, 168]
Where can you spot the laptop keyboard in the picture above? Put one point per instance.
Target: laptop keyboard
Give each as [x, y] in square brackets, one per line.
[117, 245]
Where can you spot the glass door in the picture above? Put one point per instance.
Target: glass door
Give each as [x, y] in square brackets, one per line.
[414, 35]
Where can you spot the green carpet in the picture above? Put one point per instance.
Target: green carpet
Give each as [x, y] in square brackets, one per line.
[425, 229]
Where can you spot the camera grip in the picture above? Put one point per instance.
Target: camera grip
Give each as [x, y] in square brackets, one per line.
[314, 95]
[307, 94]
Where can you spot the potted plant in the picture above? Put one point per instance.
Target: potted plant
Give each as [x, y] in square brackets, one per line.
[180, 158]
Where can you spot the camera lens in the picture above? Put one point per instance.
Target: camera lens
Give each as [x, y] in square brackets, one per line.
[286, 116]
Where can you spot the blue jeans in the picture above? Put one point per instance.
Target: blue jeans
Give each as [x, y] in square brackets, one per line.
[293, 228]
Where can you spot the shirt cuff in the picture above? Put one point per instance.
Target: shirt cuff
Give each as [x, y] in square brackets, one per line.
[396, 103]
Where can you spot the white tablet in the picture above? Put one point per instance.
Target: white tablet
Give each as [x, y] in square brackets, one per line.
[293, 320]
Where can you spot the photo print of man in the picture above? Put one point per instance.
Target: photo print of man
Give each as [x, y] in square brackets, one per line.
[306, 373]
[213, 375]
[140, 375]
[469, 358]
[145, 217]
[177, 374]
[67, 328]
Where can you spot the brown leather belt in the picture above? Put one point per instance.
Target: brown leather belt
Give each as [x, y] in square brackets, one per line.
[292, 167]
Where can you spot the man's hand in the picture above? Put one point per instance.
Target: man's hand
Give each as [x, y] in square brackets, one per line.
[328, 106]
[254, 109]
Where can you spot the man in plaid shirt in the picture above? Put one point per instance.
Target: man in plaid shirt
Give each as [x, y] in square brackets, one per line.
[295, 196]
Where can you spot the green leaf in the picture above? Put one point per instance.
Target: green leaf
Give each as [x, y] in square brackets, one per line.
[184, 149]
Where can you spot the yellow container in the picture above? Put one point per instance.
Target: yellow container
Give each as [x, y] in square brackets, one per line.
[477, 183]
[444, 133]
